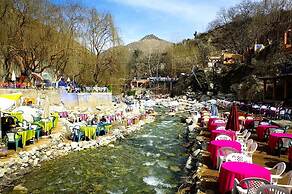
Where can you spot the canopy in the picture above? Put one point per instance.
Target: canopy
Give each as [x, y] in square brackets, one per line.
[233, 122]
[13, 97]
[28, 112]
[6, 104]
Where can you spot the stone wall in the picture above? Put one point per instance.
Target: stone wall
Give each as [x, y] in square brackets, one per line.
[70, 100]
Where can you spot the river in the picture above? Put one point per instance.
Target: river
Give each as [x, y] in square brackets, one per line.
[149, 161]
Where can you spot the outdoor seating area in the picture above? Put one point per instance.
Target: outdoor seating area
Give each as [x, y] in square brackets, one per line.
[88, 126]
[18, 132]
[234, 141]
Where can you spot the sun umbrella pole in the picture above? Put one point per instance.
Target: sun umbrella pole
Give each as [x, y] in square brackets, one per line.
[0, 124]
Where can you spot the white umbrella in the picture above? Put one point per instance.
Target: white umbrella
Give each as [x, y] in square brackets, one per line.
[68, 80]
[28, 112]
[13, 76]
[6, 104]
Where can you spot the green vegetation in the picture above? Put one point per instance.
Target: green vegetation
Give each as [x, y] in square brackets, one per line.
[69, 40]
[83, 44]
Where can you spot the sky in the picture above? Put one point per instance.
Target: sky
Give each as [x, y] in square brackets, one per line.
[172, 20]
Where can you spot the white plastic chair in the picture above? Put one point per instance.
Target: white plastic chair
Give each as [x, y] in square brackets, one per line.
[218, 121]
[288, 186]
[272, 189]
[223, 137]
[244, 140]
[221, 128]
[237, 157]
[277, 171]
[251, 183]
[223, 153]
[242, 134]
[250, 150]
[264, 123]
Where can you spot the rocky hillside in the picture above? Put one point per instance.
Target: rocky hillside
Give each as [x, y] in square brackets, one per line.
[150, 44]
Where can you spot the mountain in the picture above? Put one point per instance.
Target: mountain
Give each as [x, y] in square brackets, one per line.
[149, 44]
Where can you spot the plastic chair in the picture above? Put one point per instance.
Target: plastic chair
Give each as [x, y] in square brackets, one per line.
[283, 145]
[223, 153]
[242, 134]
[277, 171]
[272, 189]
[250, 150]
[256, 123]
[252, 185]
[77, 134]
[288, 186]
[220, 128]
[38, 131]
[11, 139]
[223, 137]
[218, 121]
[237, 157]
[244, 139]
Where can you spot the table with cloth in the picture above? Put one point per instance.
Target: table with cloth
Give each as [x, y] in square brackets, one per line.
[216, 144]
[89, 131]
[18, 116]
[108, 127]
[239, 170]
[83, 117]
[275, 137]
[214, 125]
[215, 133]
[56, 118]
[45, 124]
[25, 136]
[63, 114]
[212, 119]
[248, 123]
[261, 130]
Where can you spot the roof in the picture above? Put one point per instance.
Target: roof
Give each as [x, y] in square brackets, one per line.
[277, 76]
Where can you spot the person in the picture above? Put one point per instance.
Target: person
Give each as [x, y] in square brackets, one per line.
[94, 121]
[103, 119]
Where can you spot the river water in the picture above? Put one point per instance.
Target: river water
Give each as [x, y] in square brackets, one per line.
[149, 161]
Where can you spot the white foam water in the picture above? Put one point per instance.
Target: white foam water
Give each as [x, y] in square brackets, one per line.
[155, 182]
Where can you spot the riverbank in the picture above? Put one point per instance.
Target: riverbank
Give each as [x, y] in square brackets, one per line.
[19, 164]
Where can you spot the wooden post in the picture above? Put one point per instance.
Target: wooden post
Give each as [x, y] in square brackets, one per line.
[285, 88]
[274, 89]
[265, 88]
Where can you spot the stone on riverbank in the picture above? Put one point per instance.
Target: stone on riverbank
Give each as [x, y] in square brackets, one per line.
[20, 189]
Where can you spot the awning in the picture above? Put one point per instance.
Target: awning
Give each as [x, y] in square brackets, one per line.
[14, 96]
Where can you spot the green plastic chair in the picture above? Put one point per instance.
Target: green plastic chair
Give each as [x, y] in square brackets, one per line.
[11, 139]
[38, 131]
